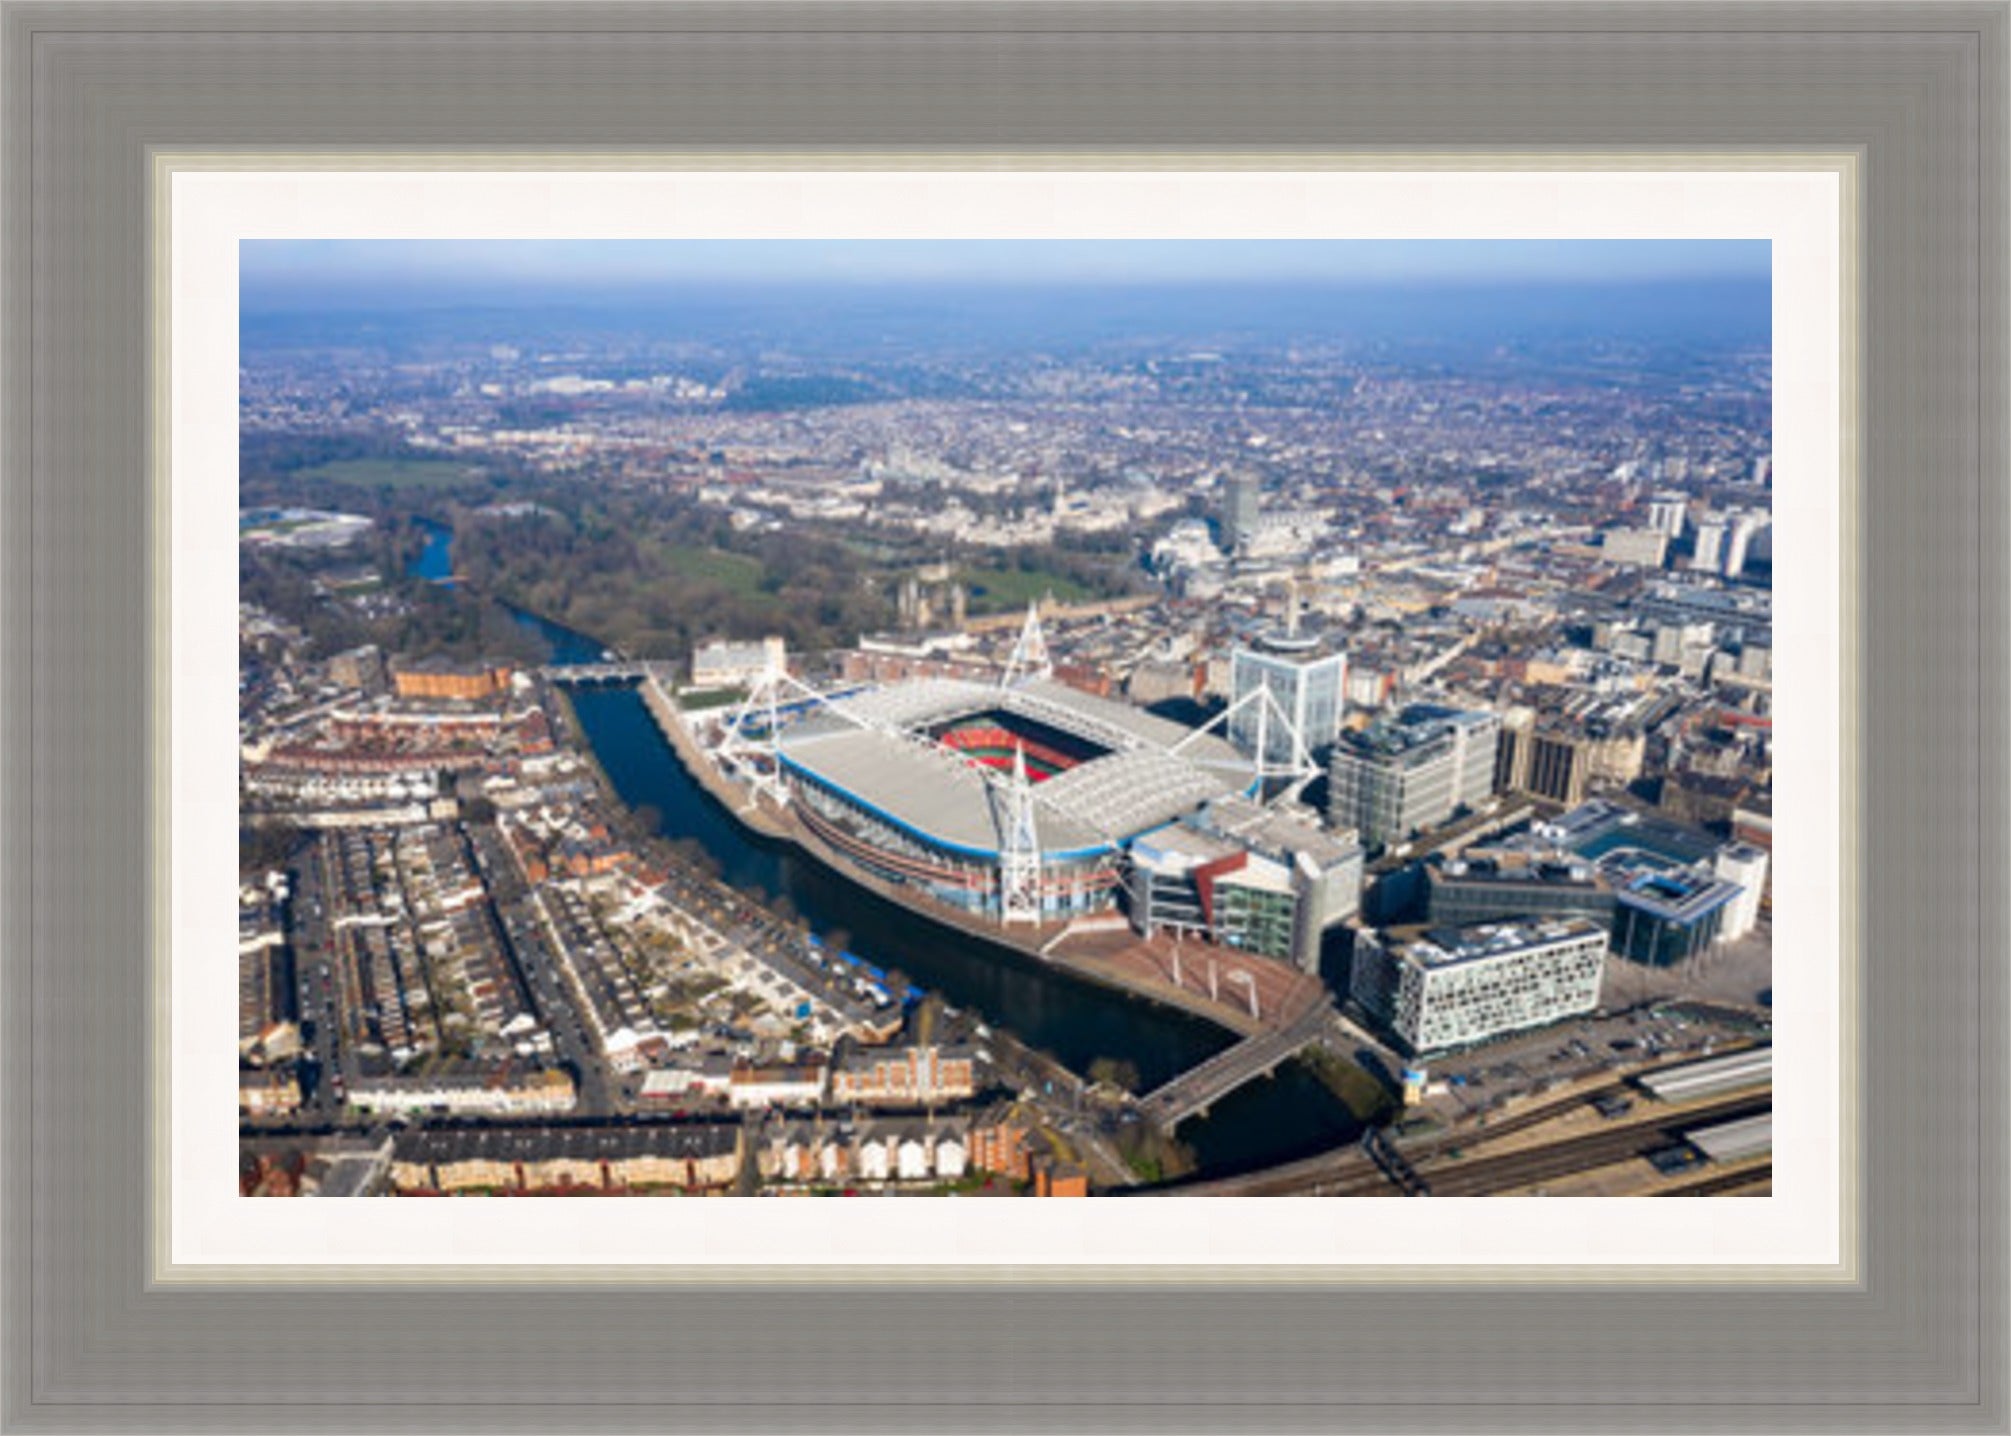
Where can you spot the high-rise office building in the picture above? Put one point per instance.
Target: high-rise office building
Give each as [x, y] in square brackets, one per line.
[1645, 547]
[1558, 767]
[1745, 528]
[1392, 779]
[1746, 865]
[1665, 513]
[1709, 555]
[1476, 734]
[1242, 502]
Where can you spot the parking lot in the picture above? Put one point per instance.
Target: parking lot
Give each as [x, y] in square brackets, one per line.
[1654, 1015]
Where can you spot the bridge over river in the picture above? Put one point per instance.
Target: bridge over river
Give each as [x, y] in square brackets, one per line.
[613, 671]
[1195, 1090]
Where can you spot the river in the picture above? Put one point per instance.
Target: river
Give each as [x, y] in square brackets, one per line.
[1289, 1114]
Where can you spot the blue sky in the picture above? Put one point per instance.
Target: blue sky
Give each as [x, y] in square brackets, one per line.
[284, 264]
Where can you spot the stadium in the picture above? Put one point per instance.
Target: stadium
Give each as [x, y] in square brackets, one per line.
[1015, 802]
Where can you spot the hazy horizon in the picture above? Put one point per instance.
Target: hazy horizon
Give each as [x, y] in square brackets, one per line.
[440, 270]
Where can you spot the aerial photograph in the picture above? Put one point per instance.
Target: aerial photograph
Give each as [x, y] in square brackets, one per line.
[1005, 718]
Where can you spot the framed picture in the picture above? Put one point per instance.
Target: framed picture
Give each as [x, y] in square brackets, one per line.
[716, 490]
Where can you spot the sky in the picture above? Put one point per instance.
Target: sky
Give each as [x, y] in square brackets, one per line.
[271, 268]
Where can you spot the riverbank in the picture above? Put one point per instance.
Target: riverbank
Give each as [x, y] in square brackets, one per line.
[742, 805]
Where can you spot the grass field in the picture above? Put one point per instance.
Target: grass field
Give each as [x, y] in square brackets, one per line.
[995, 590]
[394, 473]
[737, 573]
[697, 700]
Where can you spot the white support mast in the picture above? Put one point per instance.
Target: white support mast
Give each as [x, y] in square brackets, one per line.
[1029, 653]
[757, 758]
[1019, 848]
[1298, 767]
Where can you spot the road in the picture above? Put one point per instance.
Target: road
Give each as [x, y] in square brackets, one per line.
[311, 940]
[530, 953]
[1198, 1087]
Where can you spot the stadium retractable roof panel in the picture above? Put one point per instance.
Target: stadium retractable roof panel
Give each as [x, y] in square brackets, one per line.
[1127, 793]
[929, 792]
[903, 705]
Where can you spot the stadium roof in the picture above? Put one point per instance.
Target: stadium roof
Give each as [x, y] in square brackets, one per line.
[903, 705]
[919, 702]
[1125, 724]
[1126, 793]
[926, 790]
[866, 745]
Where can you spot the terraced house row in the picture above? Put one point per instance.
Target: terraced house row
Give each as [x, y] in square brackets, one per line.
[694, 1158]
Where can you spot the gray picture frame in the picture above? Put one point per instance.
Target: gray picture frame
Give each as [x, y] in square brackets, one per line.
[1911, 98]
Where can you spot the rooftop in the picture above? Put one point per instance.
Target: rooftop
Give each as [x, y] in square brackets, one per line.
[1679, 895]
[1598, 829]
[880, 760]
[1443, 947]
[928, 791]
[1413, 743]
[1127, 793]
[1734, 1141]
[544, 1143]
[1508, 865]
[1278, 833]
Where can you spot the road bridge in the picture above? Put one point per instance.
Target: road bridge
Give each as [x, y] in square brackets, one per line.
[613, 672]
[1198, 1088]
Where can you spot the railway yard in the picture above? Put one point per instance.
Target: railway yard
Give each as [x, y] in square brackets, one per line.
[1605, 1135]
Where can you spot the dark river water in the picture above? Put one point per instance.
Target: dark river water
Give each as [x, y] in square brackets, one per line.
[1272, 1119]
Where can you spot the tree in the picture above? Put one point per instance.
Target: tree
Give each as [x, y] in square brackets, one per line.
[1114, 1072]
[1154, 1154]
[928, 1018]
[266, 846]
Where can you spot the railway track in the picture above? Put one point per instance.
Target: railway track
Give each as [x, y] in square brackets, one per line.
[1722, 1182]
[1482, 1176]
[1349, 1172]
[1426, 1148]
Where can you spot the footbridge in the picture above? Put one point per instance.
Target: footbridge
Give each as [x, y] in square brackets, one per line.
[1198, 1088]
